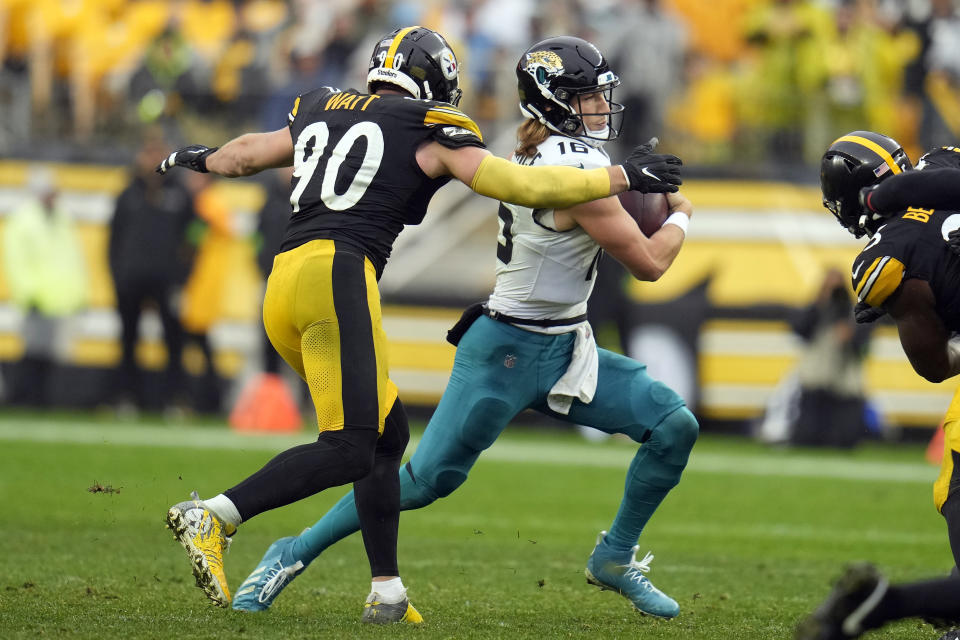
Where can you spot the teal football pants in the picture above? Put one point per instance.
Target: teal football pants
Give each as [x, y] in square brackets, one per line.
[499, 371]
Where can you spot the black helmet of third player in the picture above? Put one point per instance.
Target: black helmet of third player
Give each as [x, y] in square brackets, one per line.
[552, 73]
[854, 161]
[419, 61]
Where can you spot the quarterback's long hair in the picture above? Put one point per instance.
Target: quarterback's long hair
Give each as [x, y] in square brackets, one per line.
[529, 135]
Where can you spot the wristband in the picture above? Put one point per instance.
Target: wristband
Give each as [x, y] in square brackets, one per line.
[678, 218]
[625, 176]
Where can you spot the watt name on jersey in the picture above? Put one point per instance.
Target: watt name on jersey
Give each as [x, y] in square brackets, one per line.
[543, 273]
[356, 178]
[912, 245]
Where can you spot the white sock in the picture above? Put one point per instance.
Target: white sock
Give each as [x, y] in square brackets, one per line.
[391, 591]
[223, 508]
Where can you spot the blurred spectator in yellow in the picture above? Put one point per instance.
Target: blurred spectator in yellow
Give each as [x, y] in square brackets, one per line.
[647, 49]
[165, 73]
[933, 80]
[784, 74]
[864, 58]
[212, 233]
[149, 260]
[48, 282]
[702, 120]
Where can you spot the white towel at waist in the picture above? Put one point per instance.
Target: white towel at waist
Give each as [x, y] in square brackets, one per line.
[580, 379]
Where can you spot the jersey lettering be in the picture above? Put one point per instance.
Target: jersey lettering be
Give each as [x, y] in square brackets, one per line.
[912, 245]
[543, 273]
[356, 177]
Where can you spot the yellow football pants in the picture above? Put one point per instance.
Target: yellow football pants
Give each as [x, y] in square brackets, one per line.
[951, 431]
[322, 313]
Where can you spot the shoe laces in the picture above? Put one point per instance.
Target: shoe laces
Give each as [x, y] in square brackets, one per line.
[277, 577]
[223, 525]
[635, 569]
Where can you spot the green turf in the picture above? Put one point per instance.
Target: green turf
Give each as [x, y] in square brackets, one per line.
[748, 542]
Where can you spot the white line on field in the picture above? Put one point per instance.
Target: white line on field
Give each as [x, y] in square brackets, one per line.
[779, 464]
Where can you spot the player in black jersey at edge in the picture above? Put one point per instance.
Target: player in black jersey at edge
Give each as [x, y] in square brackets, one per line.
[909, 270]
[366, 164]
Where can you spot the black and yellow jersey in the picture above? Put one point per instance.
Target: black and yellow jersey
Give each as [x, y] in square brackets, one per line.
[356, 177]
[913, 244]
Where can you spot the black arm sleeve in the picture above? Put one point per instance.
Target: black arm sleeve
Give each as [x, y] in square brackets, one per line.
[928, 189]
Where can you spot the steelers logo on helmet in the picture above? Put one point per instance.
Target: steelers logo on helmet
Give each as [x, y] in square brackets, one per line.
[417, 60]
[448, 64]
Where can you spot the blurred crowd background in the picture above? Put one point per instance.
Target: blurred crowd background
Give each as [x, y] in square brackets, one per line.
[751, 82]
[119, 288]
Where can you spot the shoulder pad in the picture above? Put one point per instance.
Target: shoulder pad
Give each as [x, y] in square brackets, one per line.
[876, 281]
[449, 116]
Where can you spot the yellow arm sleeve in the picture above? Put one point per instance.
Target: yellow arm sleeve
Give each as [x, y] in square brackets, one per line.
[546, 187]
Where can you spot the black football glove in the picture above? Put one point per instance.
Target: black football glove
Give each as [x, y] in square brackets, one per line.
[649, 172]
[953, 239]
[193, 157]
[864, 313]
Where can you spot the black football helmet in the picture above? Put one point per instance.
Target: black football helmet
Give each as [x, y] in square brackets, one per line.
[419, 61]
[940, 158]
[854, 161]
[552, 73]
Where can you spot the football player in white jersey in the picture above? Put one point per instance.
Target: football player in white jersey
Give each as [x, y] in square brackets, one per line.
[530, 345]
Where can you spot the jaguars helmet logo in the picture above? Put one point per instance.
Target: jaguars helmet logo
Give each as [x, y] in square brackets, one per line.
[543, 65]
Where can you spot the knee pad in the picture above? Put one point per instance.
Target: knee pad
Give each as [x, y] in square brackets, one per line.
[674, 437]
[419, 491]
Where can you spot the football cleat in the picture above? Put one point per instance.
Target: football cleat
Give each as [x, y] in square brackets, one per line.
[841, 616]
[376, 612]
[203, 536]
[275, 571]
[628, 579]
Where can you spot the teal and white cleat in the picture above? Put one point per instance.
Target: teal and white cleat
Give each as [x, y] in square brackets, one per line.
[275, 571]
[627, 578]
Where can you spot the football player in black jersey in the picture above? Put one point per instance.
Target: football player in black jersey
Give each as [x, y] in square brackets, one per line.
[366, 164]
[907, 269]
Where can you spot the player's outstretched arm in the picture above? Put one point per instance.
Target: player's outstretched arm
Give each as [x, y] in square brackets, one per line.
[242, 156]
[609, 224]
[923, 335]
[929, 189]
[550, 186]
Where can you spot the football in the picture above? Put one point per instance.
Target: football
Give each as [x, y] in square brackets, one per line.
[648, 209]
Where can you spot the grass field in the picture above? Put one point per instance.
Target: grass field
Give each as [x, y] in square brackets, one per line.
[748, 542]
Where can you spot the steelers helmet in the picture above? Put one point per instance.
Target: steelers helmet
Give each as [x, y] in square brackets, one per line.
[419, 61]
[854, 161]
[940, 158]
[552, 73]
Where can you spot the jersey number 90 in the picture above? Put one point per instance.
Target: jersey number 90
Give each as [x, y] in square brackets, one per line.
[309, 152]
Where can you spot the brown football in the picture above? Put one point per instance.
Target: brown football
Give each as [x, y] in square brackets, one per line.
[648, 209]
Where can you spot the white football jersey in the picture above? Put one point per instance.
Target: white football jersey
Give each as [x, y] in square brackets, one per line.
[543, 273]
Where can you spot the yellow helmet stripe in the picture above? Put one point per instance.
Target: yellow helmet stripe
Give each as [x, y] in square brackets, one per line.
[392, 51]
[873, 146]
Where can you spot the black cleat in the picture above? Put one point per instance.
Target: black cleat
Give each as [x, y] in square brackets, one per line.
[841, 616]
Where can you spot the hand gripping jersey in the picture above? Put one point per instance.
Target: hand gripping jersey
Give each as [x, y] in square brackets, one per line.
[356, 178]
[542, 273]
[912, 245]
